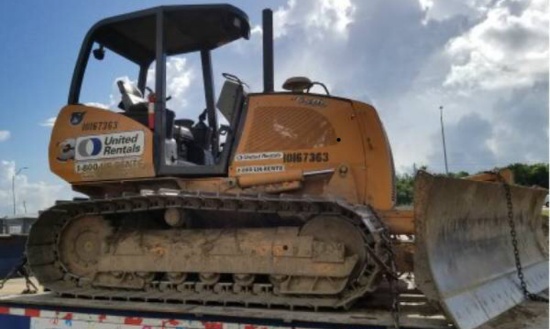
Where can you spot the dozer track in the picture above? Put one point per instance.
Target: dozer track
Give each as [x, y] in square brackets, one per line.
[337, 254]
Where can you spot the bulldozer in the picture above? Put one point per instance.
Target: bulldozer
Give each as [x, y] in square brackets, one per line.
[290, 202]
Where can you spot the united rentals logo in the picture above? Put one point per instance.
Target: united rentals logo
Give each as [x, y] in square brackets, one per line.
[89, 147]
[77, 117]
[126, 144]
[259, 156]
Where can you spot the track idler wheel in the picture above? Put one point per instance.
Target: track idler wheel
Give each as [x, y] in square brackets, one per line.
[81, 244]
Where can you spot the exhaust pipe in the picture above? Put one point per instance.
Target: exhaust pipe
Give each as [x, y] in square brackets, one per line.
[267, 22]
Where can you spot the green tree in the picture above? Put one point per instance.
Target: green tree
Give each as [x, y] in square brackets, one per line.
[405, 189]
[530, 175]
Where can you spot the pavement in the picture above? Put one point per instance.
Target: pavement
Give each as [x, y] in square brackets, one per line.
[17, 286]
[528, 315]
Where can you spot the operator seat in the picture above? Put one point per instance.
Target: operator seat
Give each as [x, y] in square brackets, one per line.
[135, 106]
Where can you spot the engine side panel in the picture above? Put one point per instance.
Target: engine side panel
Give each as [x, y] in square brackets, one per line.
[92, 144]
[291, 135]
[380, 173]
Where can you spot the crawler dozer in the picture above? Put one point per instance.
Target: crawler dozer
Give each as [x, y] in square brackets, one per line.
[289, 202]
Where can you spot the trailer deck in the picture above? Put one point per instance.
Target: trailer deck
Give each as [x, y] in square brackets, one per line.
[414, 314]
[46, 310]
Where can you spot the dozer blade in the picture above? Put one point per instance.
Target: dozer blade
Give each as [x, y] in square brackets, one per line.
[464, 256]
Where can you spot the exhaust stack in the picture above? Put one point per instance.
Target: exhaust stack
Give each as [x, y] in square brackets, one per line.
[267, 22]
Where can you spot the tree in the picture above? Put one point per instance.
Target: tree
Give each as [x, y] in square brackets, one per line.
[530, 175]
[405, 189]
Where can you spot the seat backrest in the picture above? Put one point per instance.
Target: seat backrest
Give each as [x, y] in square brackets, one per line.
[230, 97]
[131, 95]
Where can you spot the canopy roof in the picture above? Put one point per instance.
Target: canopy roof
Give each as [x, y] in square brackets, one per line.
[187, 28]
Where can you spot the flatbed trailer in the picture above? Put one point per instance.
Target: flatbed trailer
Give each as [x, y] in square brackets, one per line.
[49, 311]
[46, 310]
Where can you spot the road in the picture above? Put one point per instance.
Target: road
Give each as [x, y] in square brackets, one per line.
[529, 315]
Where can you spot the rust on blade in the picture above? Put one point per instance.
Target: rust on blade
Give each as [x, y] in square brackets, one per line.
[464, 255]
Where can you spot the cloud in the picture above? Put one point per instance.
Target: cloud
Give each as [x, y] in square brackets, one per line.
[509, 48]
[372, 56]
[4, 135]
[318, 18]
[31, 196]
[497, 90]
[49, 122]
[181, 83]
[440, 10]
[98, 105]
[467, 143]
[516, 132]
[527, 109]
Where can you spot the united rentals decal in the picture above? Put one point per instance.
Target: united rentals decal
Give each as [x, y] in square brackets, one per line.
[259, 156]
[126, 144]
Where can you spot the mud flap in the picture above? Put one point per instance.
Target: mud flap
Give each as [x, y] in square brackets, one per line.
[464, 257]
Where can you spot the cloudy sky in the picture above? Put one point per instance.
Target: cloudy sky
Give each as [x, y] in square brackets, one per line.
[484, 61]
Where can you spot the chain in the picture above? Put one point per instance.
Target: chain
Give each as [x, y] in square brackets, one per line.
[393, 285]
[21, 270]
[393, 276]
[528, 295]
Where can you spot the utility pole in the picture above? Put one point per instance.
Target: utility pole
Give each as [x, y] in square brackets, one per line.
[443, 139]
[13, 188]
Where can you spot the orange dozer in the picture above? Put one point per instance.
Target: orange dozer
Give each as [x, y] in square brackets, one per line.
[290, 202]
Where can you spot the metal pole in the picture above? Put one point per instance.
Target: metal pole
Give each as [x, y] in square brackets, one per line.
[443, 139]
[13, 191]
[13, 188]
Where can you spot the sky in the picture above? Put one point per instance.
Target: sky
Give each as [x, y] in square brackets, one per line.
[484, 61]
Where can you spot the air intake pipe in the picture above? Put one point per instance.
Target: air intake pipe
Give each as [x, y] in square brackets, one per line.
[267, 22]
